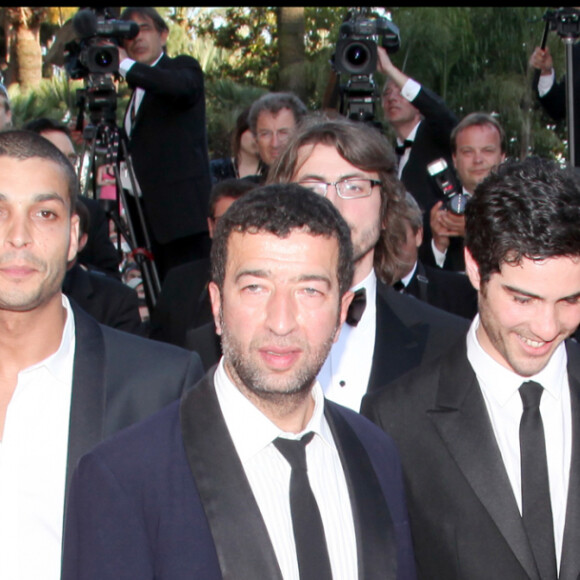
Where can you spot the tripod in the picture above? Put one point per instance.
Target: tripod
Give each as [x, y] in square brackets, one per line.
[105, 144]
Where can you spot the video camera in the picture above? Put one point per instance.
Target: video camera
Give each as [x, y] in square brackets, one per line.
[94, 57]
[90, 55]
[356, 49]
[356, 55]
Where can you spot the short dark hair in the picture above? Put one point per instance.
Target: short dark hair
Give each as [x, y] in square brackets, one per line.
[477, 119]
[232, 187]
[147, 12]
[274, 103]
[281, 210]
[523, 209]
[22, 145]
[43, 125]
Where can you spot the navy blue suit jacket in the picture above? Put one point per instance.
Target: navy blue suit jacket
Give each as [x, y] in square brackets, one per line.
[168, 499]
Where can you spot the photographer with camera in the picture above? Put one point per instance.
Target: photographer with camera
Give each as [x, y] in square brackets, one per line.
[478, 145]
[166, 129]
[423, 125]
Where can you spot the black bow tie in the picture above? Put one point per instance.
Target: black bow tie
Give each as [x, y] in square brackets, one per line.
[400, 149]
[399, 286]
[357, 307]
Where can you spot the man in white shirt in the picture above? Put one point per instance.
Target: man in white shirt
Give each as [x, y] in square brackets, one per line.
[65, 381]
[213, 494]
[487, 432]
[353, 165]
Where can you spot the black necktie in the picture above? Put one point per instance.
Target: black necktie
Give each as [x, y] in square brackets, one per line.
[357, 307]
[400, 149]
[536, 505]
[399, 286]
[311, 549]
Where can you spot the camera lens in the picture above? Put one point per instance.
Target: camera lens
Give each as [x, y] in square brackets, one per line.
[357, 55]
[103, 58]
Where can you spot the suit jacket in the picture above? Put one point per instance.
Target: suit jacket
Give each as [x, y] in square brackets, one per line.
[408, 333]
[431, 142]
[465, 521]
[168, 146]
[449, 291]
[106, 299]
[183, 303]
[169, 499]
[119, 379]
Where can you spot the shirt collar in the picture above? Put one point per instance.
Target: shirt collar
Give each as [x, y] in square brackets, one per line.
[58, 362]
[501, 382]
[411, 136]
[250, 430]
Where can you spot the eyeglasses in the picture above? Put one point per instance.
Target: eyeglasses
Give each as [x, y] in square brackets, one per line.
[345, 188]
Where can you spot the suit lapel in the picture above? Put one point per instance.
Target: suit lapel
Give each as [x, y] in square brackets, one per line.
[570, 563]
[375, 539]
[461, 418]
[397, 347]
[88, 389]
[241, 539]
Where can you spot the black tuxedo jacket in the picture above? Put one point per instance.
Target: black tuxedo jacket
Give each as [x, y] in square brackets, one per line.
[169, 499]
[408, 333]
[465, 521]
[450, 291]
[431, 142]
[168, 145]
[106, 299]
[183, 303]
[119, 379]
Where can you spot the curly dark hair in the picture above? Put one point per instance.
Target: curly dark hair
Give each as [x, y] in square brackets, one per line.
[523, 209]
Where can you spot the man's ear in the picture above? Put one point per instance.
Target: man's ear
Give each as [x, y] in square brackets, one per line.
[344, 304]
[472, 269]
[215, 299]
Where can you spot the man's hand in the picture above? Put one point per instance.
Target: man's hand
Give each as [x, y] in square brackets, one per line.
[385, 65]
[445, 225]
[541, 59]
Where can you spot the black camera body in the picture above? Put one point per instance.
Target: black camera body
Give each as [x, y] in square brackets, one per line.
[454, 199]
[96, 50]
[356, 49]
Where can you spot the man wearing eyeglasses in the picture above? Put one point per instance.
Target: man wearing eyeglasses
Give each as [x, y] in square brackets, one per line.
[388, 333]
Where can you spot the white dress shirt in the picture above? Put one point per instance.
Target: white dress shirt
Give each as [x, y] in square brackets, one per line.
[33, 457]
[344, 377]
[269, 476]
[500, 388]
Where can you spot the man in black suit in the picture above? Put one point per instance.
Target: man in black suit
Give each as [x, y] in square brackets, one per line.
[478, 146]
[205, 488]
[450, 291]
[66, 382]
[423, 125]
[487, 433]
[166, 126]
[354, 167]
